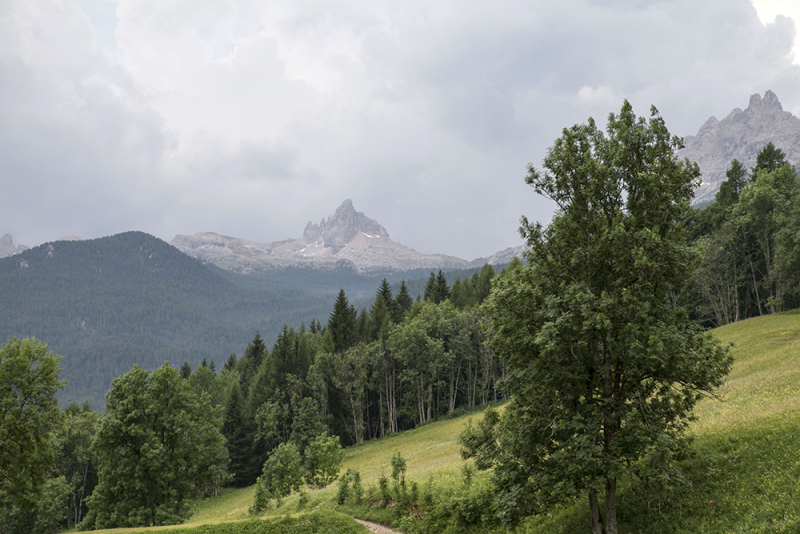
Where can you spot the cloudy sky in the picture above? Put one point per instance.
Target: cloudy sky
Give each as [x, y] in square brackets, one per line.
[251, 118]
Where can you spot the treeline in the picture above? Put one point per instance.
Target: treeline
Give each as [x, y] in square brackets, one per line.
[105, 304]
[176, 434]
[751, 239]
[363, 374]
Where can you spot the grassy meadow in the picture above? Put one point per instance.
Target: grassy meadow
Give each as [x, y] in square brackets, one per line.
[742, 472]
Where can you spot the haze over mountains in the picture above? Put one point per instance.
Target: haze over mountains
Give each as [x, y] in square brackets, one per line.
[348, 238]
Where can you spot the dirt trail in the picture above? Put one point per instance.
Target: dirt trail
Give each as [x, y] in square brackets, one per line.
[378, 529]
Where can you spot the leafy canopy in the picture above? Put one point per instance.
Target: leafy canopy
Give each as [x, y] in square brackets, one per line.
[604, 369]
[29, 415]
[158, 446]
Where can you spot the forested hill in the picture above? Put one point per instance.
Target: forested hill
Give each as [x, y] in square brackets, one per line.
[107, 304]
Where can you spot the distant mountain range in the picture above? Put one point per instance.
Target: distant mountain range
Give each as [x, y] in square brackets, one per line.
[109, 303]
[741, 135]
[348, 239]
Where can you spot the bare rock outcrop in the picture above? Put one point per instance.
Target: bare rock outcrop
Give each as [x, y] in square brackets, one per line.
[7, 247]
[741, 135]
[347, 238]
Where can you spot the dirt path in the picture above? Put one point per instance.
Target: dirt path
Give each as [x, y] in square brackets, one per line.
[378, 529]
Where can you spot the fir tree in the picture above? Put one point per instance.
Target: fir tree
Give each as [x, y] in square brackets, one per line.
[342, 324]
[239, 437]
[186, 370]
[404, 301]
[230, 365]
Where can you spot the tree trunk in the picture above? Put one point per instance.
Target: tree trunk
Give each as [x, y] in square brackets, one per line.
[594, 512]
[611, 506]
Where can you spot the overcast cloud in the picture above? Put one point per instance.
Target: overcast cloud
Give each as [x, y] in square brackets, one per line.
[249, 118]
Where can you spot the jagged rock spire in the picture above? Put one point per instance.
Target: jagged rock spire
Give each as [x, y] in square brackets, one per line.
[741, 135]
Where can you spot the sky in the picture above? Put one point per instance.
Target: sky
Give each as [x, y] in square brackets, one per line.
[251, 118]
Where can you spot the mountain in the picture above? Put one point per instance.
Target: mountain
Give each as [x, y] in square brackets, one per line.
[7, 247]
[348, 238]
[107, 304]
[501, 258]
[741, 135]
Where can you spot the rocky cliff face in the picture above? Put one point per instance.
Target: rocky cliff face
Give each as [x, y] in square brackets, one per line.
[348, 238]
[7, 247]
[741, 135]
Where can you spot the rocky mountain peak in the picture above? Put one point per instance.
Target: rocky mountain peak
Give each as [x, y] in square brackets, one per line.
[348, 238]
[741, 135]
[342, 227]
[7, 247]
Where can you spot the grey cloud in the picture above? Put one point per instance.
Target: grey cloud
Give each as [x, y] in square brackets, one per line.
[251, 119]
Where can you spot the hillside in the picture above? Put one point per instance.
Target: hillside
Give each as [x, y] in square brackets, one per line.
[742, 476]
[107, 304]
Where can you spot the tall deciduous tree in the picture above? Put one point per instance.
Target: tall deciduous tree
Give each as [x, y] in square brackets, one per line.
[28, 385]
[158, 446]
[603, 367]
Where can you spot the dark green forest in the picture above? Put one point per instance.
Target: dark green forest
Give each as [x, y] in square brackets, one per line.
[105, 304]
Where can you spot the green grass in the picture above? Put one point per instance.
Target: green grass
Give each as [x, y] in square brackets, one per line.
[323, 522]
[231, 504]
[743, 473]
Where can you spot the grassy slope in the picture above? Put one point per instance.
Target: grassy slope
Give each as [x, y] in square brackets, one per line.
[744, 472]
[743, 476]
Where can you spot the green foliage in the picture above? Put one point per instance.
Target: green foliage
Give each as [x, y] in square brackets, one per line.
[75, 459]
[318, 522]
[470, 292]
[49, 516]
[306, 425]
[403, 300]
[239, 434]
[105, 304]
[602, 366]
[769, 159]
[342, 324]
[436, 289]
[149, 470]
[323, 460]
[750, 235]
[283, 471]
[261, 501]
[28, 385]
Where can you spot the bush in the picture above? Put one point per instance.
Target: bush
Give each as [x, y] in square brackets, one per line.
[321, 522]
[323, 460]
[283, 472]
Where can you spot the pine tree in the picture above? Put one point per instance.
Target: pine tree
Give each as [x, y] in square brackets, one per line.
[385, 291]
[230, 365]
[239, 437]
[404, 301]
[254, 355]
[430, 288]
[342, 324]
[186, 370]
[769, 159]
[442, 291]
